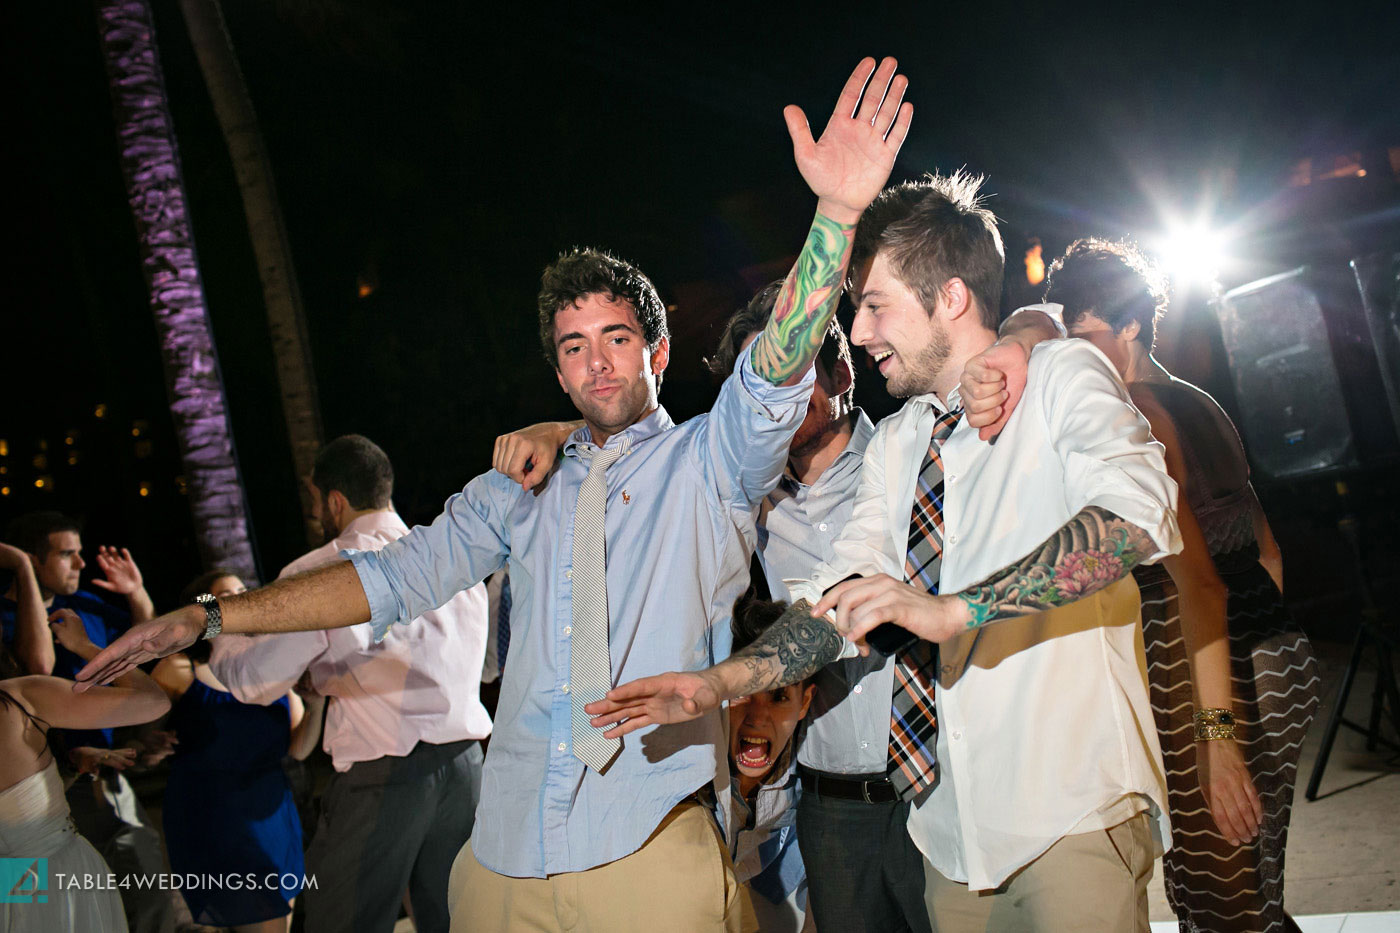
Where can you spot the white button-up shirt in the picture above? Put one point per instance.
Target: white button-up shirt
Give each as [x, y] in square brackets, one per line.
[420, 684]
[1044, 723]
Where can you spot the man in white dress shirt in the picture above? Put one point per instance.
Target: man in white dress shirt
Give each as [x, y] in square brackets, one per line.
[1049, 801]
[404, 722]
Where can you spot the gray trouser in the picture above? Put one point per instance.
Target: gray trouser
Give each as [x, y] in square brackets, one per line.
[110, 817]
[386, 826]
[864, 873]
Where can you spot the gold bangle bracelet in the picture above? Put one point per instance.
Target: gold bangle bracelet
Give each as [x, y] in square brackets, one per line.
[1214, 723]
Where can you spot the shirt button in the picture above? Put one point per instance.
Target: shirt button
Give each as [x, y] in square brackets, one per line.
[952, 539]
[562, 746]
[568, 574]
[568, 630]
[564, 689]
[822, 527]
[864, 745]
[952, 477]
[957, 734]
[859, 688]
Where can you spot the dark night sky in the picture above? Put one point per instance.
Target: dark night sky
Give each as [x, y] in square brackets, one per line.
[444, 152]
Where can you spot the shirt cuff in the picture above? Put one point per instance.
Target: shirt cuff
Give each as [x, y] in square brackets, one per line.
[384, 606]
[1053, 310]
[772, 402]
[1123, 497]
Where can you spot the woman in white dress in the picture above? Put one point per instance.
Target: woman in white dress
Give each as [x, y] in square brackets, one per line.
[34, 821]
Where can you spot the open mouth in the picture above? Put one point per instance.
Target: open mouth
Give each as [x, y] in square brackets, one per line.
[753, 752]
[879, 359]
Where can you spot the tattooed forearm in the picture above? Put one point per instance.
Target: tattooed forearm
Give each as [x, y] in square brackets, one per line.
[1091, 550]
[806, 303]
[791, 649]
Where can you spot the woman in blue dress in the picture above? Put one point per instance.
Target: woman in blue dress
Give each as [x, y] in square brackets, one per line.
[229, 813]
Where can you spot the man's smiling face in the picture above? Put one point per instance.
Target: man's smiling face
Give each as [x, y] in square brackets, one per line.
[909, 345]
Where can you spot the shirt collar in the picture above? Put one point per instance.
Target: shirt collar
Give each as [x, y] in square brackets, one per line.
[862, 430]
[384, 520]
[931, 399]
[650, 426]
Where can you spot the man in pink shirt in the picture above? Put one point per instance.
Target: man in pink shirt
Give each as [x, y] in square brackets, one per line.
[403, 726]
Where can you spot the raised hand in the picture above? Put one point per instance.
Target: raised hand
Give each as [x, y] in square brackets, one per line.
[851, 162]
[141, 643]
[69, 631]
[123, 576]
[674, 697]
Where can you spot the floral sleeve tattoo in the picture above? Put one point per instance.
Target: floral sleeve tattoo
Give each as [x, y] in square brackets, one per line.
[791, 649]
[1091, 550]
[804, 307]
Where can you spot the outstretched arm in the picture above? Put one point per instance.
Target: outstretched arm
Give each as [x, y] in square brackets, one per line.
[793, 648]
[845, 169]
[327, 597]
[1092, 550]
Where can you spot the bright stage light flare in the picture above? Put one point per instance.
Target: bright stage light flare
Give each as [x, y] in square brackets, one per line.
[1192, 254]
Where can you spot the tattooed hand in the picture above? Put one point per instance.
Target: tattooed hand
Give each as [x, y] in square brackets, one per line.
[791, 649]
[863, 604]
[665, 698]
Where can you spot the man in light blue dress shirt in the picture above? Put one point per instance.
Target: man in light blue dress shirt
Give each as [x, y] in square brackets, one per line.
[557, 845]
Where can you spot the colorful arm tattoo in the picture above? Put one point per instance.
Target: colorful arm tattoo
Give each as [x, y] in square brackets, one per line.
[1092, 550]
[806, 303]
[791, 649]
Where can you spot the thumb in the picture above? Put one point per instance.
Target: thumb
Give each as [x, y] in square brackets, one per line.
[103, 584]
[798, 129]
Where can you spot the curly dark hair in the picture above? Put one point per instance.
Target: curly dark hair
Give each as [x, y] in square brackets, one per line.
[1112, 280]
[581, 272]
[753, 317]
[935, 229]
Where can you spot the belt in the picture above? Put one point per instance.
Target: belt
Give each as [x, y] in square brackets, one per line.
[823, 784]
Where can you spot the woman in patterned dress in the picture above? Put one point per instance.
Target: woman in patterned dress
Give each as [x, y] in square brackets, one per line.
[1218, 637]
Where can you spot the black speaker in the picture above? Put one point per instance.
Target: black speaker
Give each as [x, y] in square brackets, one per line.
[1313, 355]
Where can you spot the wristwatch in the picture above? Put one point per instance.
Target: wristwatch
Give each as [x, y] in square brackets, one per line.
[213, 618]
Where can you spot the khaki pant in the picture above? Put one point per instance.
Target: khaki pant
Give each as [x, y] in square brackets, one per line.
[1094, 881]
[681, 880]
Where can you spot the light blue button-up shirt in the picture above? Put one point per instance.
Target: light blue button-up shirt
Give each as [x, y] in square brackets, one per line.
[848, 728]
[681, 505]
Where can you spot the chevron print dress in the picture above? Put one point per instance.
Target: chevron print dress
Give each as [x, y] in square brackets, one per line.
[1211, 885]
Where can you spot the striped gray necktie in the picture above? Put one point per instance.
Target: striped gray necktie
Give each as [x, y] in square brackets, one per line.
[590, 669]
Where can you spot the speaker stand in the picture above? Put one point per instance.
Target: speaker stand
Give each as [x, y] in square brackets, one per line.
[1372, 634]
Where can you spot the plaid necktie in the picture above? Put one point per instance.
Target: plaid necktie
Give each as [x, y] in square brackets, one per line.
[913, 720]
[590, 667]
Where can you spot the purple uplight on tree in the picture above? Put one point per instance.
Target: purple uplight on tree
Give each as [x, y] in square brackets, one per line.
[151, 166]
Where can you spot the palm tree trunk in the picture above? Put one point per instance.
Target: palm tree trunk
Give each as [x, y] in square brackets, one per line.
[155, 188]
[295, 377]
